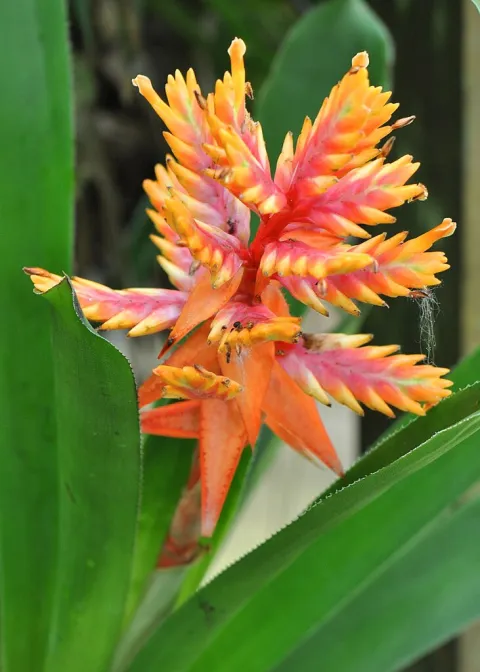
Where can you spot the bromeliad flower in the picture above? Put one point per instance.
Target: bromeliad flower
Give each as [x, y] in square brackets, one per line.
[235, 357]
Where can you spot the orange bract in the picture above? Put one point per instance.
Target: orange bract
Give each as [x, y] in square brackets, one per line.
[238, 357]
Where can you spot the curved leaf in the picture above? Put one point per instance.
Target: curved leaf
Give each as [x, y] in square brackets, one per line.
[412, 605]
[96, 495]
[36, 207]
[166, 465]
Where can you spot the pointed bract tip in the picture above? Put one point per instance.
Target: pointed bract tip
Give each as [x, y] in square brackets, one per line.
[237, 47]
[448, 226]
[405, 121]
[360, 61]
[141, 80]
[31, 270]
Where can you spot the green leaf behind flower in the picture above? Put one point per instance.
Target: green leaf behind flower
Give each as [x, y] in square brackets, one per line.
[95, 498]
[36, 208]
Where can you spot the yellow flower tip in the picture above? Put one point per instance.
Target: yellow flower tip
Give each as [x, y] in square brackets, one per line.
[359, 61]
[420, 193]
[31, 270]
[447, 227]
[237, 49]
[142, 83]
[42, 280]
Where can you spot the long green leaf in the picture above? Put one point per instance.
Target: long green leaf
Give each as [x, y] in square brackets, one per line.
[152, 594]
[96, 495]
[36, 206]
[169, 588]
[413, 603]
[166, 465]
[312, 566]
[467, 371]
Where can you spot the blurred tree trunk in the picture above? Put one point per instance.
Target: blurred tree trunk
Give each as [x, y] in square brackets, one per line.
[427, 82]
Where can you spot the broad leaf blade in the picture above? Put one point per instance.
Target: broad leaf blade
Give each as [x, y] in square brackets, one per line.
[98, 487]
[36, 207]
[168, 588]
[152, 593]
[166, 465]
[311, 563]
[467, 371]
[414, 605]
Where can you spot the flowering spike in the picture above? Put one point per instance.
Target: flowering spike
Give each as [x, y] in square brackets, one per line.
[362, 196]
[183, 115]
[305, 290]
[195, 382]
[349, 373]
[296, 258]
[142, 311]
[236, 51]
[210, 246]
[350, 124]
[239, 325]
[243, 174]
[193, 350]
[239, 355]
[399, 267]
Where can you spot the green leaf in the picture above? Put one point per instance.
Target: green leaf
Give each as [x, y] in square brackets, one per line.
[467, 371]
[157, 602]
[166, 465]
[314, 568]
[36, 208]
[168, 588]
[416, 602]
[477, 4]
[152, 594]
[95, 500]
